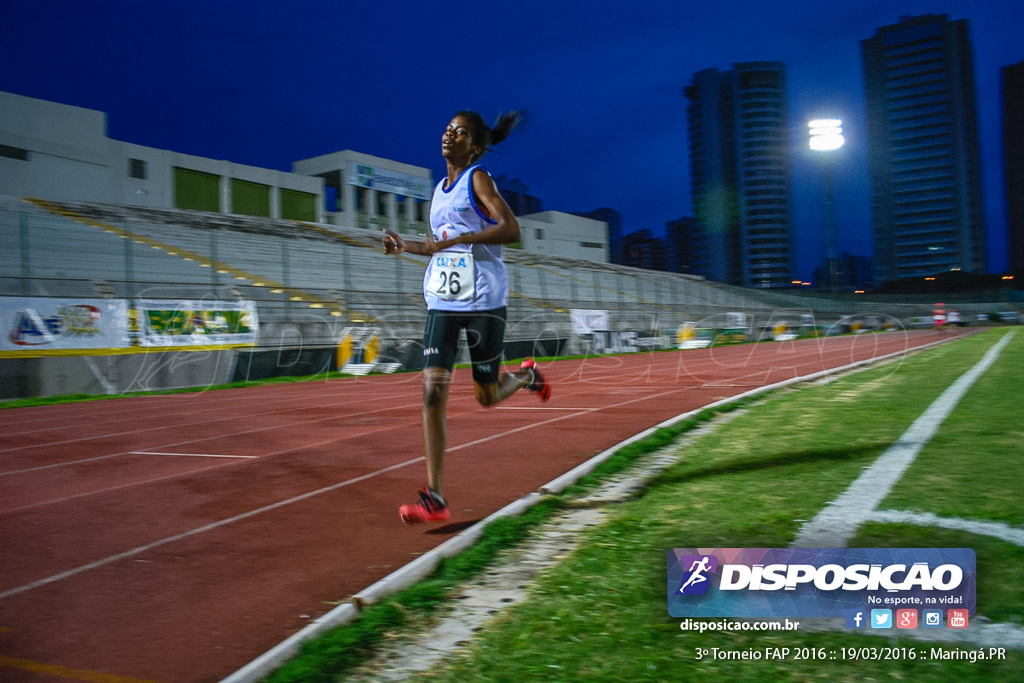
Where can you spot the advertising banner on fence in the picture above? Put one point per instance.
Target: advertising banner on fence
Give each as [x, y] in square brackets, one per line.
[587, 321]
[818, 582]
[196, 323]
[33, 325]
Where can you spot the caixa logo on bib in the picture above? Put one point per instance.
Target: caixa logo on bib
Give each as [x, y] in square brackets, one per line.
[816, 582]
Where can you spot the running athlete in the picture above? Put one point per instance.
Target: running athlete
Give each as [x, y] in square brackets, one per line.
[465, 287]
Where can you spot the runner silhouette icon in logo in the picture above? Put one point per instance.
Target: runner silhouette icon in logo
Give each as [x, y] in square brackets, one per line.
[696, 582]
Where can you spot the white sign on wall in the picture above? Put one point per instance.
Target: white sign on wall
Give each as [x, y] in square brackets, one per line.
[374, 178]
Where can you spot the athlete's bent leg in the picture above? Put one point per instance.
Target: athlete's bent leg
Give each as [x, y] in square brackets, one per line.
[508, 383]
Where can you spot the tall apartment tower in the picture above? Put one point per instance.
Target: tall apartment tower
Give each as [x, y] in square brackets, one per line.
[1013, 159]
[740, 175]
[925, 157]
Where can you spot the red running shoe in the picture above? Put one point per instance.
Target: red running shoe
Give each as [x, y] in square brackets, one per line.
[431, 508]
[538, 384]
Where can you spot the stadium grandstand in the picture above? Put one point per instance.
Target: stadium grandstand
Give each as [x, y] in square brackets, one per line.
[325, 298]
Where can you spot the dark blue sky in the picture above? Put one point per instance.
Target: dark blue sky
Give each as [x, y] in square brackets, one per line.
[266, 83]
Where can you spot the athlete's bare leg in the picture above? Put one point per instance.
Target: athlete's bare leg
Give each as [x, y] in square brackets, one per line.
[436, 382]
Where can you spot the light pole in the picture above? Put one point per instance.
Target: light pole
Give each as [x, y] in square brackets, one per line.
[827, 136]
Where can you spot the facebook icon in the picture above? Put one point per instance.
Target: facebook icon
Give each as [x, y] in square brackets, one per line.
[855, 618]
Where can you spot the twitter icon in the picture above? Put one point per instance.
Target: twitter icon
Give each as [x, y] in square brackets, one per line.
[881, 618]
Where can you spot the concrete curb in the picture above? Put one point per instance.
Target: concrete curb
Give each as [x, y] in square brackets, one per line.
[398, 580]
[423, 566]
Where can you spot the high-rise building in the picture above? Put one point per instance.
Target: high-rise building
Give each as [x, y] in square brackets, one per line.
[740, 175]
[614, 220]
[641, 249]
[1013, 159]
[679, 244]
[924, 150]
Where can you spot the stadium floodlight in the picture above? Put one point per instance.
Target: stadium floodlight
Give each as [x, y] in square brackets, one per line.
[826, 134]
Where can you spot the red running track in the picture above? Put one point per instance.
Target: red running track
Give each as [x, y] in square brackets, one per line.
[176, 538]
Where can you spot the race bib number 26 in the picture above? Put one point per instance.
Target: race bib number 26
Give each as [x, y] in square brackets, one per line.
[452, 276]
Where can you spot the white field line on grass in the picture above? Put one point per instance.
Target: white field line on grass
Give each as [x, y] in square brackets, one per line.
[839, 520]
[1000, 530]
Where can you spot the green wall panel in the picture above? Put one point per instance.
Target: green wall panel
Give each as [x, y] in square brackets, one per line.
[250, 199]
[298, 206]
[196, 190]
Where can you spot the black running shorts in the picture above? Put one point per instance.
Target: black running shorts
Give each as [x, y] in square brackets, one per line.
[485, 333]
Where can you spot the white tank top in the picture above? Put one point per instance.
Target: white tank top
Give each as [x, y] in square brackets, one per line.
[466, 277]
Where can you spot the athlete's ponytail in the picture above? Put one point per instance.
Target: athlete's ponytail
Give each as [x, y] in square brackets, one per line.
[504, 125]
[483, 135]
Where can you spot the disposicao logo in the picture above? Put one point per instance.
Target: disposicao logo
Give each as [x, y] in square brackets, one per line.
[817, 582]
[695, 581]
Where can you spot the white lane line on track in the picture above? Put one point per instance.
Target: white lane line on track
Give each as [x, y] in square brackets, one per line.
[289, 425]
[273, 506]
[538, 408]
[836, 524]
[197, 455]
[198, 530]
[204, 422]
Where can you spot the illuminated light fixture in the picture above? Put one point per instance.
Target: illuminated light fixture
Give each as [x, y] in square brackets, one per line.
[277, 290]
[1007, 277]
[257, 283]
[240, 277]
[316, 305]
[929, 279]
[859, 291]
[826, 134]
[222, 271]
[336, 314]
[295, 298]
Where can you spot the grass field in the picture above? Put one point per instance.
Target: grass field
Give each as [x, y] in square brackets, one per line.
[600, 614]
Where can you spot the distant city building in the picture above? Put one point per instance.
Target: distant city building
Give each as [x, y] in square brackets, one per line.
[852, 272]
[924, 151]
[1013, 159]
[740, 175]
[517, 196]
[613, 219]
[679, 244]
[564, 234]
[641, 249]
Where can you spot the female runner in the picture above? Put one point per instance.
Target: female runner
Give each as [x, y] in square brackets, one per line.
[465, 287]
